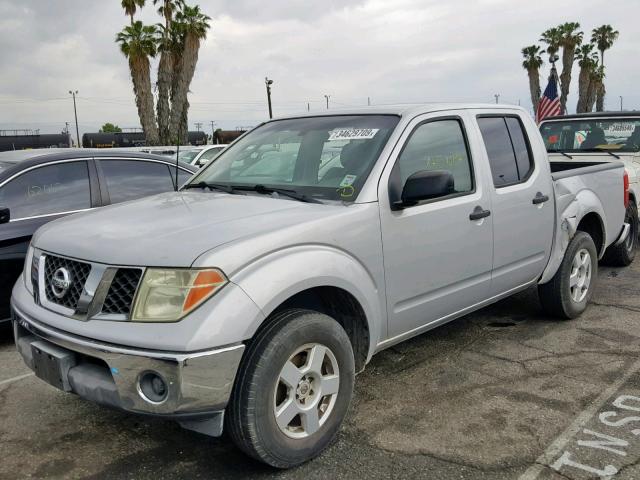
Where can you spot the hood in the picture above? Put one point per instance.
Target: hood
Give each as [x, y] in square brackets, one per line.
[171, 229]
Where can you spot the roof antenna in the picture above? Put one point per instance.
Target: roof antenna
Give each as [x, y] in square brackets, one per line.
[177, 153]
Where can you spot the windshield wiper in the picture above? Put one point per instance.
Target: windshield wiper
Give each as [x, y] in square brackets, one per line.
[611, 153]
[212, 186]
[604, 150]
[280, 191]
[561, 153]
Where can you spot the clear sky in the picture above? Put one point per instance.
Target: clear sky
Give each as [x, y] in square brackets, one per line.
[400, 51]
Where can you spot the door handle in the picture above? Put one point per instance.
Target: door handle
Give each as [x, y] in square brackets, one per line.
[540, 198]
[479, 213]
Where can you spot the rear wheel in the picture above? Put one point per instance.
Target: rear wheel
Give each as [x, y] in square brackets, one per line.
[566, 295]
[293, 389]
[623, 254]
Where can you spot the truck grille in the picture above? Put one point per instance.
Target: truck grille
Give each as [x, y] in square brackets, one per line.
[121, 292]
[78, 273]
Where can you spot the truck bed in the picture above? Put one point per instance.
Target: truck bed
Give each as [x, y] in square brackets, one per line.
[565, 169]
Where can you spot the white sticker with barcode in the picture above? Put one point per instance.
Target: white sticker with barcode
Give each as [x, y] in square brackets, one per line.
[352, 134]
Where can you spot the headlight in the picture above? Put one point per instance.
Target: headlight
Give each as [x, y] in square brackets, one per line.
[167, 295]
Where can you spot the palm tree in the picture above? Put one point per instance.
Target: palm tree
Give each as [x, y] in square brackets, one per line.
[552, 38]
[595, 85]
[166, 66]
[570, 40]
[532, 63]
[130, 7]
[588, 61]
[138, 44]
[603, 37]
[192, 26]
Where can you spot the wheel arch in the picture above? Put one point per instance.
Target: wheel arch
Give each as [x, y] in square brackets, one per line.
[338, 304]
[320, 278]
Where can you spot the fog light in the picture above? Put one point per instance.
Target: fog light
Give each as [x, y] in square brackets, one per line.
[153, 388]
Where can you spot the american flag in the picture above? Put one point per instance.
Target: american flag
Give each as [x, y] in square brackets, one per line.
[549, 104]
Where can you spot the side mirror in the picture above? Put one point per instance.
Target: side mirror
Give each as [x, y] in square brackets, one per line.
[425, 185]
[5, 215]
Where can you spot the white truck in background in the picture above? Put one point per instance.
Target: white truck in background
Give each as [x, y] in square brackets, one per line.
[601, 137]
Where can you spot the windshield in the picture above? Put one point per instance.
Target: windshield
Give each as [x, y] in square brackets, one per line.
[578, 135]
[324, 157]
[188, 155]
[4, 165]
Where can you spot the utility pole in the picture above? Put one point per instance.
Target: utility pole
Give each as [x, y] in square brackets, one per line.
[327, 97]
[308, 106]
[198, 125]
[75, 112]
[497, 95]
[268, 84]
[621, 103]
[213, 132]
[368, 101]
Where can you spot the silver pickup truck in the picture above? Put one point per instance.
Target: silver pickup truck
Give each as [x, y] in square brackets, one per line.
[249, 299]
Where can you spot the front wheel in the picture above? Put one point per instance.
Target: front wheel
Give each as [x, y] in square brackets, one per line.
[293, 389]
[622, 255]
[566, 295]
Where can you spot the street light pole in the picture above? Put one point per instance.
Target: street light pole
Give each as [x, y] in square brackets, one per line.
[621, 103]
[268, 84]
[213, 132]
[75, 112]
[497, 95]
[327, 97]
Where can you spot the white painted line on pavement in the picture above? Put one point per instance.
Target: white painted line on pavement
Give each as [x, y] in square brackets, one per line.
[559, 443]
[15, 379]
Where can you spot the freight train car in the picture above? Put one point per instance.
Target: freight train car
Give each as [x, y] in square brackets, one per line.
[226, 136]
[130, 139]
[36, 140]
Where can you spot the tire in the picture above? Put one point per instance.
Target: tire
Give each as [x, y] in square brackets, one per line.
[557, 296]
[622, 255]
[292, 337]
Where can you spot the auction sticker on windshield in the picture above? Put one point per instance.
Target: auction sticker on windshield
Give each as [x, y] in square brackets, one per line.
[352, 134]
[347, 181]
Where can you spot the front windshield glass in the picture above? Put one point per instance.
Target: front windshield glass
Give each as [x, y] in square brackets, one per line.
[4, 165]
[578, 135]
[323, 157]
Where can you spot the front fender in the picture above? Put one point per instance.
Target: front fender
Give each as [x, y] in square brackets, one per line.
[272, 279]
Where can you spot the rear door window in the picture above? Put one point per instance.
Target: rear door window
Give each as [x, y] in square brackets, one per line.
[507, 149]
[47, 190]
[131, 179]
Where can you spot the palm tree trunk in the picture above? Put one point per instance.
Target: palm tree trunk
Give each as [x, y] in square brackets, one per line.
[600, 97]
[584, 80]
[141, 77]
[534, 87]
[591, 93]
[184, 126]
[187, 67]
[565, 77]
[165, 70]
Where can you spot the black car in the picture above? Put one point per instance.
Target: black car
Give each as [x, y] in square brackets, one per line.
[37, 186]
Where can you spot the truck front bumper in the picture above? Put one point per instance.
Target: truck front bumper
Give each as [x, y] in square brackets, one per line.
[190, 387]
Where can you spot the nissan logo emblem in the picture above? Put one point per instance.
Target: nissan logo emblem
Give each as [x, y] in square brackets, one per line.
[60, 282]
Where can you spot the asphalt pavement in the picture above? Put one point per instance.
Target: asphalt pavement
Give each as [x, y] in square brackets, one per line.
[504, 393]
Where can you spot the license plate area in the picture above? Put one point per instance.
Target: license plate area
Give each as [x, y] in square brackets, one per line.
[52, 363]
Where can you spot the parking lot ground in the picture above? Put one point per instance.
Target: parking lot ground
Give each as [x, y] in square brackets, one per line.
[504, 393]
